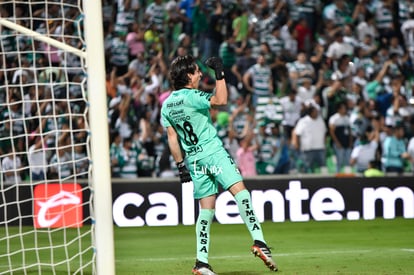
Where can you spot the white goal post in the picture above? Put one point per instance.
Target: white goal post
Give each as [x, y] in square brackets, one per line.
[18, 196]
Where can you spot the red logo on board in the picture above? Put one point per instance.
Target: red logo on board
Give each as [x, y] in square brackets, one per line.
[58, 205]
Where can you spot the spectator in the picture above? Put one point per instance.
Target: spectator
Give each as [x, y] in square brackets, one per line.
[334, 94]
[61, 163]
[125, 14]
[146, 155]
[228, 52]
[258, 81]
[254, 42]
[394, 154]
[367, 47]
[182, 48]
[214, 36]
[303, 34]
[243, 63]
[155, 14]
[367, 28]
[81, 160]
[123, 123]
[306, 91]
[245, 156]
[200, 27]
[374, 169]
[11, 166]
[309, 138]
[115, 153]
[154, 40]
[340, 132]
[128, 159]
[240, 26]
[38, 159]
[147, 132]
[268, 148]
[277, 65]
[266, 23]
[151, 85]
[138, 66]
[275, 41]
[338, 48]
[349, 36]
[135, 40]
[14, 113]
[375, 89]
[238, 117]
[384, 20]
[400, 110]
[300, 69]
[396, 48]
[174, 24]
[292, 109]
[407, 30]
[188, 7]
[310, 11]
[366, 149]
[119, 56]
[338, 11]
[288, 33]
[281, 158]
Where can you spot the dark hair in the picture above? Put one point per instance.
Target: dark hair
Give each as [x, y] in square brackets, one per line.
[339, 104]
[180, 68]
[375, 164]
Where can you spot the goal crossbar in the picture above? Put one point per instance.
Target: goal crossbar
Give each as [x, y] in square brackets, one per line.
[42, 38]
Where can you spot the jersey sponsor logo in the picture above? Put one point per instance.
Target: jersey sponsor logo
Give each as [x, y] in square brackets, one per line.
[58, 205]
[175, 103]
[207, 169]
[178, 115]
[192, 151]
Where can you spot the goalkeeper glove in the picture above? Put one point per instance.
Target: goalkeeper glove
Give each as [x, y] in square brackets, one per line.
[183, 172]
[217, 65]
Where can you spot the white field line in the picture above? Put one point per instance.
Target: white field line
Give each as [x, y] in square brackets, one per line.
[247, 255]
[276, 255]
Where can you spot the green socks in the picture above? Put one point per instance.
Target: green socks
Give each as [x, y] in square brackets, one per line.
[205, 218]
[248, 216]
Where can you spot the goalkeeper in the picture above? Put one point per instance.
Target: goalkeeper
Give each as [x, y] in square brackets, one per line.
[191, 134]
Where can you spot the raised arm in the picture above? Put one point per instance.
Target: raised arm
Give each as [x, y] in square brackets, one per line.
[221, 95]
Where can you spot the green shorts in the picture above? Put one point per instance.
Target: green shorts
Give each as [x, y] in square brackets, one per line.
[210, 171]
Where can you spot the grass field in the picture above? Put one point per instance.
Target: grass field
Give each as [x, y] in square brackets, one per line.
[347, 247]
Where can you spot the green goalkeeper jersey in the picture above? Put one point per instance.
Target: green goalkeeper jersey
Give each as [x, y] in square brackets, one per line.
[188, 111]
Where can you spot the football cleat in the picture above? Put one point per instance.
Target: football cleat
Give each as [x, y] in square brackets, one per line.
[201, 268]
[261, 250]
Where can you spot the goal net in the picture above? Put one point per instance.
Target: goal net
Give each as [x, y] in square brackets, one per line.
[55, 215]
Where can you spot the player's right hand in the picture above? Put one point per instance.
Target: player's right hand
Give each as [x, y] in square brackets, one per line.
[183, 172]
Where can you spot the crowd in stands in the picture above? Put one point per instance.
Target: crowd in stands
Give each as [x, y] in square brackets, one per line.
[314, 86]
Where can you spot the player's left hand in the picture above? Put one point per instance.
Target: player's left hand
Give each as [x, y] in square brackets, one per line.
[217, 65]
